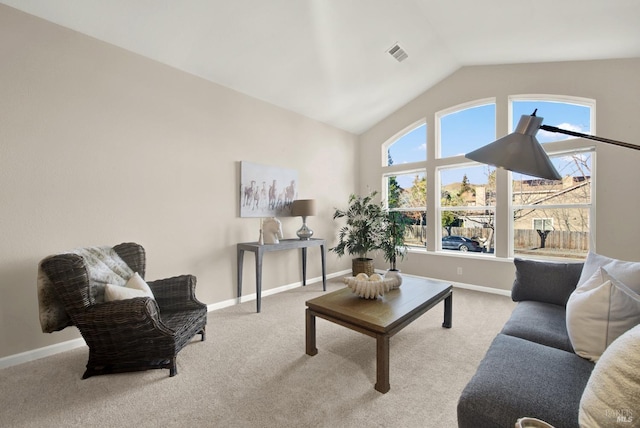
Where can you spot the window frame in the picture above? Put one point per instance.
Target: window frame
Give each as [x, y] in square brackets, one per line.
[397, 136]
[564, 145]
[504, 206]
[452, 110]
[589, 206]
[417, 167]
[441, 209]
[456, 161]
[545, 221]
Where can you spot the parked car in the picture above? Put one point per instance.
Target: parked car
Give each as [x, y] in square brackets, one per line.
[460, 243]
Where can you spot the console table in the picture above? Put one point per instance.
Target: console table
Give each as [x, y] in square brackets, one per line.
[285, 244]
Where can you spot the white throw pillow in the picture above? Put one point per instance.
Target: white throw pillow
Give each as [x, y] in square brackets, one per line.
[598, 312]
[627, 272]
[116, 292]
[135, 287]
[136, 282]
[611, 395]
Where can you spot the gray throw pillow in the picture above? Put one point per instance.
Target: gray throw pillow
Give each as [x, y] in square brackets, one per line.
[544, 281]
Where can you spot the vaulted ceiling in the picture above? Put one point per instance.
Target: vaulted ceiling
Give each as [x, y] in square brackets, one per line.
[329, 60]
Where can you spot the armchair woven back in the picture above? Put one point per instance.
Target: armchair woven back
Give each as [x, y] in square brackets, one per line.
[69, 276]
[134, 255]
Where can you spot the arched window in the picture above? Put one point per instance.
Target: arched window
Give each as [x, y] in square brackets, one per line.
[404, 180]
[467, 190]
[539, 218]
[408, 147]
[466, 127]
[553, 217]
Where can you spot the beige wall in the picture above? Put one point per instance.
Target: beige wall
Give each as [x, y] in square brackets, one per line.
[99, 146]
[615, 86]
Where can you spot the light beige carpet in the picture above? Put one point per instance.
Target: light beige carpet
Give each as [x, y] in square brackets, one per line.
[252, 371]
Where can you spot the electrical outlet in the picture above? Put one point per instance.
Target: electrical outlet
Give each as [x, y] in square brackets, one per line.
[459, 270]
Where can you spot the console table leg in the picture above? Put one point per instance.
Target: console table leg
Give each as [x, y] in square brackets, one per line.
[310, 327]
[324, 275]
[304, 267]
[240, 258]
[448, 311]
[382, 363]
[258, 280]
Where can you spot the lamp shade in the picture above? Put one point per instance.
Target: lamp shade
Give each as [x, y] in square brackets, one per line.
[519, 151]
[303, 207]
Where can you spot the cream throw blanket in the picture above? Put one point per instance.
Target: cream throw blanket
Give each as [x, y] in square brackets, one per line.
[104, 266]
[612, 395]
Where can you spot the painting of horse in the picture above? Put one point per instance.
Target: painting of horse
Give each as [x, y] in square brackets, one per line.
[266, 191]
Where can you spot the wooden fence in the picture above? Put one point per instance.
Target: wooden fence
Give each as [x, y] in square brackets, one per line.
[579, 241]
[523, 238]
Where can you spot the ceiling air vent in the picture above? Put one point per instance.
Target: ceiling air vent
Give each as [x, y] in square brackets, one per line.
[398, 53]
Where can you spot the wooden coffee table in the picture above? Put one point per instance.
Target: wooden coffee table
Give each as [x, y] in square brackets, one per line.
[380, 318]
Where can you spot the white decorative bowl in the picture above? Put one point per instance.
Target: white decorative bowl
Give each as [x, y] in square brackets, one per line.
[370, 287]
[396, 275]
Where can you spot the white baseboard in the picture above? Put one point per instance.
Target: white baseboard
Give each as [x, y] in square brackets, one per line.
[25, 357]
[271, 291]
[481, 288]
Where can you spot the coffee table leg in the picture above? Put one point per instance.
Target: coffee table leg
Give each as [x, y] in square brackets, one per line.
[448, 311]
[310, 333]
[382, 363]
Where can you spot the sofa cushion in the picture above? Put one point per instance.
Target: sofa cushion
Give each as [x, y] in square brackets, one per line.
[599, 311]
[542, 281]
[521, 378]
[611, 395]
[542, 323]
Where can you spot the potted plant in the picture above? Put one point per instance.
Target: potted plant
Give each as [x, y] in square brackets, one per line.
[392, 243]
[362, 232]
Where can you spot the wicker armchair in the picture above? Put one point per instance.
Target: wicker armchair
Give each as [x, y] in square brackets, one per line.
[133, 334]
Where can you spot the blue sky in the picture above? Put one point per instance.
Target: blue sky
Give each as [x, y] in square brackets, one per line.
[472, 128]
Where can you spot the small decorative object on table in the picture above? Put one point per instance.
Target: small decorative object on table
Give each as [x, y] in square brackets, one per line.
[394, 274]
[261, 237]
[370, 287]
[531, 423]
[272, 231]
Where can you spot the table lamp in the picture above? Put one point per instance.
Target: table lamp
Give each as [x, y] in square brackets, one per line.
[304, 208]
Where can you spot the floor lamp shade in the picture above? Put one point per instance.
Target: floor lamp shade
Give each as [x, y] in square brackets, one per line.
[304, 208]
[519, 151]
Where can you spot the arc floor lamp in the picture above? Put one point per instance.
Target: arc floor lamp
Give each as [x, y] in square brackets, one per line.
[521, 152]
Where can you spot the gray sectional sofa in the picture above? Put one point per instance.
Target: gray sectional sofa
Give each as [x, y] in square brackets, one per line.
[530, 369]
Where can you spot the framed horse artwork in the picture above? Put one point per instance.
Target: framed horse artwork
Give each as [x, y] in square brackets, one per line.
[266, 191]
